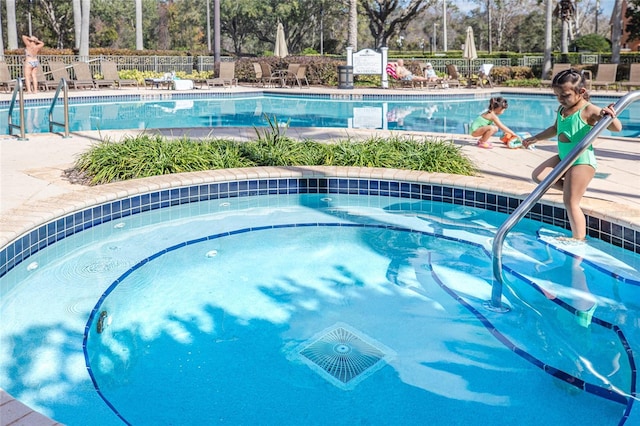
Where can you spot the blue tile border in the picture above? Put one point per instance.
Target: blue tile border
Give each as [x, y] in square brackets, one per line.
[170, 95]
[604, 391]
[45, 235]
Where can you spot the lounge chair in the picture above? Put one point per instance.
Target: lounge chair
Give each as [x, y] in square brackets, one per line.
[396, 81]
[43, 82]
[554, 70]
[605, 76]
[484, 76]
[83, 74]
[59, 72]
[299, 77]
[271, 78]
[257, 69]
[110, 72]
[634, 77]
[5, 77]
[455, 79]
[228, 73]
[291, 71]
[226, 76]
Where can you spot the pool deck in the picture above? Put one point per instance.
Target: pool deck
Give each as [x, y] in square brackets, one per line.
[32, 179]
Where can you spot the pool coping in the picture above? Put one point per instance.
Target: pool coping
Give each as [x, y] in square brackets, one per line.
[19, 221]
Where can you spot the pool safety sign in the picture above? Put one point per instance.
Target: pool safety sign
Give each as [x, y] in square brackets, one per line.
[368, 61]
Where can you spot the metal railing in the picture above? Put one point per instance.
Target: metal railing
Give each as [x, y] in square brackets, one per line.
[18, 92]
[495, 303]
[64, 87]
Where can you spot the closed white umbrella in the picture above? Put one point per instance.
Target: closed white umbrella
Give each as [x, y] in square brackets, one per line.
[470, 52]
[280, 49]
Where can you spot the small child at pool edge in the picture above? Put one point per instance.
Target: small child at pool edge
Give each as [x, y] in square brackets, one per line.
[487, 124]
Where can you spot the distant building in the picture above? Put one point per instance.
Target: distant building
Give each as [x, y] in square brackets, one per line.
[626, 44]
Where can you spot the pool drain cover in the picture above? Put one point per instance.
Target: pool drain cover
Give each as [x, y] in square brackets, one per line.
[343, 355]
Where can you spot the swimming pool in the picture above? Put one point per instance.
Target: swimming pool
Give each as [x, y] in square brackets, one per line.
[398, 267]
[424, 113]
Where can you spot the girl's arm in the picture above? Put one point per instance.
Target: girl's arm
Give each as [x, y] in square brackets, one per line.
[595, 114]
[547, 133]
[494, 117]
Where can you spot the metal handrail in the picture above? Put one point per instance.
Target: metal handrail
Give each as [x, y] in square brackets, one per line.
[17, 92]
[64, 87]
[495, 303]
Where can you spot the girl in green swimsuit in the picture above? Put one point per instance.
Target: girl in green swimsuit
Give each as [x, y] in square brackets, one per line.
[576, 117]
[487, 124]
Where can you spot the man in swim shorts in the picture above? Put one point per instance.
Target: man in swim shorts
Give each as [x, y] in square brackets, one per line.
[405, 74]
[31, 50]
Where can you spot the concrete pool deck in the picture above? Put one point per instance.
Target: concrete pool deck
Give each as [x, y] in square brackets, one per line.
[32, 170]
[33, 189]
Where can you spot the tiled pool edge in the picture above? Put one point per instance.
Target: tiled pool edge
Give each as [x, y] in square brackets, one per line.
[23, 231]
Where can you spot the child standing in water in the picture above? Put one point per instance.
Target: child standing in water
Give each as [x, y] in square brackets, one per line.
[487, 124]
[576, 117]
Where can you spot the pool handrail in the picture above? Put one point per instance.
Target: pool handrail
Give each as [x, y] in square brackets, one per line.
[18, 92]
[495, 303]
[64, 87]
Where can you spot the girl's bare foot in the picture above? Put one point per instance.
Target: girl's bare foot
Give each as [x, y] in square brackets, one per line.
[571, 240]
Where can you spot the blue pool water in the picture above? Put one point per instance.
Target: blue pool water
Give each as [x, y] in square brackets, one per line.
[526, 113]
[317, 309]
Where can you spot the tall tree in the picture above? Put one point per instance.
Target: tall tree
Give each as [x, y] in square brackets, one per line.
[236, 19]
[390, 17]
[616, 31]
[548, 37]
[1, 40]
[139, 39]
[633, 25]
[12, 28]
[565, 11]
[352, 35]
[84, 30]
[77, 22]
[56, 17]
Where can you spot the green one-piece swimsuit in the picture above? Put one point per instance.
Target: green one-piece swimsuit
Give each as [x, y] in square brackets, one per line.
[479, 122]
[574, 129]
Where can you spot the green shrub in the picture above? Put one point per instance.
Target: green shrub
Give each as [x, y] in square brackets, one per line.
[152, 155]
[529, 82]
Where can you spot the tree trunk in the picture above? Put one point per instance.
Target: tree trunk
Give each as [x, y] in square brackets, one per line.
[548, 38]
[77, 22]
[564, 41]
[353, 24]
[12, 30]
[139, 40]
[84, 37]
[1, 40]
[616, 31]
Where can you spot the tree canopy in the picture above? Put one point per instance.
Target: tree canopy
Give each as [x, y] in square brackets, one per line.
[248, 26]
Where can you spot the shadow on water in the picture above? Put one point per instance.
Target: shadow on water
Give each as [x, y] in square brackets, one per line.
[222, 335]
[236, 335]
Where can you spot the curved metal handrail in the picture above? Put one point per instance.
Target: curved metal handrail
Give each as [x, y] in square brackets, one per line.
[19, 93]
[64, 87]
[496, 291]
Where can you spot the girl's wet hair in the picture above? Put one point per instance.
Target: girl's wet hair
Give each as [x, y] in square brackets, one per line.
[572, 76]
[499, 102]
